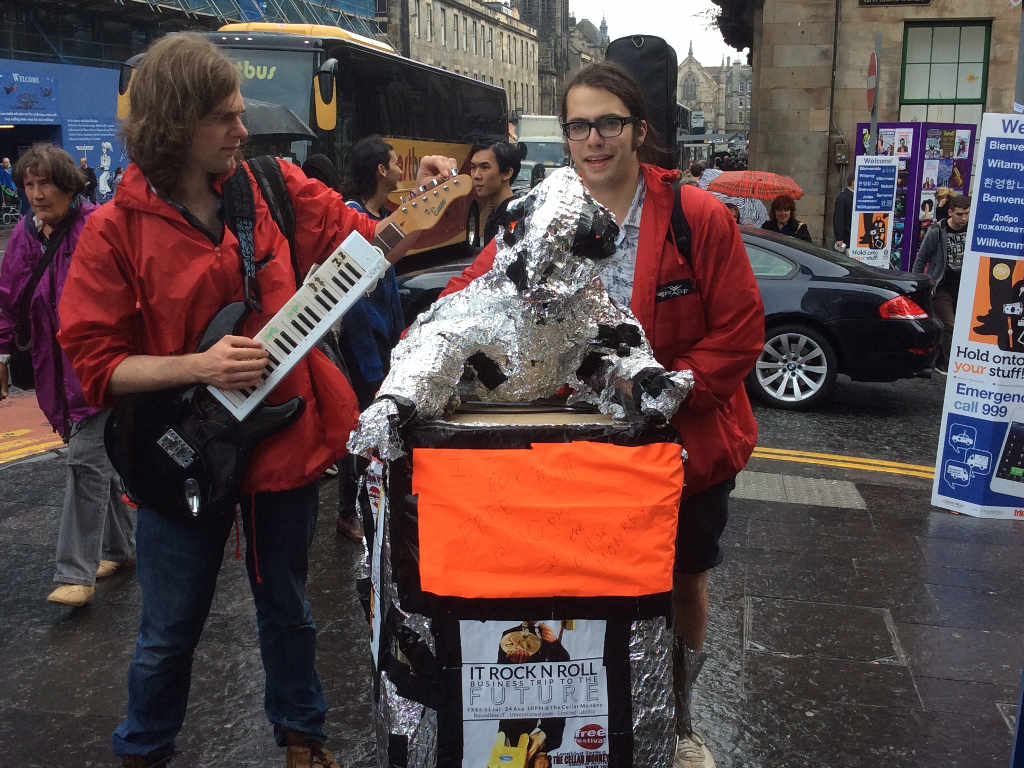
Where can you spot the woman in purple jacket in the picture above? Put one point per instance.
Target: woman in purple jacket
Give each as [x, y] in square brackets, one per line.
[96, 534]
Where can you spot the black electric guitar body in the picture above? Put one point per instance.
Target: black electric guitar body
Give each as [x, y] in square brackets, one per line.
[181, 452]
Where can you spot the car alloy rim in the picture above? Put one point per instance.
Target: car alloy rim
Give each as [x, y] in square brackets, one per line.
[792, 367]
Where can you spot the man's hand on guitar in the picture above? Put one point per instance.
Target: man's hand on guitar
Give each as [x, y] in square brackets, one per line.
[234, 362]
[432, 166]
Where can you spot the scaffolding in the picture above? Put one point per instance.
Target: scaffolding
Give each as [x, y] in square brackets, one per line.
[354, 15]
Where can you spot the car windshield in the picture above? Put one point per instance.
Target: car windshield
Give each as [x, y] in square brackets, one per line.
[549, 153]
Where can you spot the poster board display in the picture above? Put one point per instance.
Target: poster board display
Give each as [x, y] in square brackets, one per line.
[980, 460]
[874, 210]
[931, 155]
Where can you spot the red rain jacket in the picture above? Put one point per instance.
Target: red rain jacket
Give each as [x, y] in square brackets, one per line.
[716, 330]
[145, 281]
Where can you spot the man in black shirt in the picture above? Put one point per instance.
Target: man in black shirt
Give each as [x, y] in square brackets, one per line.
[90, 180]
[493, 168]
[941, 258]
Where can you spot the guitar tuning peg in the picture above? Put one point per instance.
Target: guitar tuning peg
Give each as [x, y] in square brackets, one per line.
[445, 187]
[422, 188]
[453, 172]
[433, 182]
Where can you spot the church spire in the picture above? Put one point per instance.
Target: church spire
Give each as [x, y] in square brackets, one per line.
[691, 50]
[604, 30]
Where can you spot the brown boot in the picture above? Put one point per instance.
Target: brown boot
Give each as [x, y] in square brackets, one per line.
[303, 752]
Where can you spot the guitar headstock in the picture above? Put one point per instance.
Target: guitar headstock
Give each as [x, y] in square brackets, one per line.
[426, 205]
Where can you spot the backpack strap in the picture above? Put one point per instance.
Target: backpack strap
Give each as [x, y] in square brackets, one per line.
[239, 210]
[680, 226]
[275, 193]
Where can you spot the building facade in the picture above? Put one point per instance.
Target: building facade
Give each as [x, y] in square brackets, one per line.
[551, 20]
[485, 41]
[721, 94]
[942, 60]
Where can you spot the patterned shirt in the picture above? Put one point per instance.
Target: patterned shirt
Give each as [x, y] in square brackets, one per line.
[955, 248]
[617, 274]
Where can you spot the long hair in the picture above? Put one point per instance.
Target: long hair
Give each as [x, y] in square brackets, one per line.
[53, 163]
[363, 159]
[182, 78]
[611, 77]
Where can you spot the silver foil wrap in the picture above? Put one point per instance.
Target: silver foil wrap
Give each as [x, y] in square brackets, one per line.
[650, 659]
[521, 331]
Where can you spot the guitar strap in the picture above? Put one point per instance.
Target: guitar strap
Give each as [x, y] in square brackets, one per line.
[240, 212]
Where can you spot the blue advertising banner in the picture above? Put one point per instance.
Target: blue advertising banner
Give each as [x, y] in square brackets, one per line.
[27, 96]
[980, 462]
[74, 106]
[874, 203]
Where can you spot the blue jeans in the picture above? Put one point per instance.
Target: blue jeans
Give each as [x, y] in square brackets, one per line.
[177, 570]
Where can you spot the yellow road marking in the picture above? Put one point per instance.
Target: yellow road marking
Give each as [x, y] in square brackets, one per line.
[846, 462]
[13, 433]
[10, 445]
[21, 453]
[841, 457]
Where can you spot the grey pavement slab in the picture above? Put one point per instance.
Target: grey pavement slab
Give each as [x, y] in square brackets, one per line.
[879, 633]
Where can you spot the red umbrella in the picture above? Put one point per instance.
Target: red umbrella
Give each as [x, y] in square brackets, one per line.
[764, 185]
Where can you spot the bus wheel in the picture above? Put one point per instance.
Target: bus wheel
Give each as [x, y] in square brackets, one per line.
[473, 226]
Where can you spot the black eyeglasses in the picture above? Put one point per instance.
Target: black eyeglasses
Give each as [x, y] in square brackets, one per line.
[608, 127]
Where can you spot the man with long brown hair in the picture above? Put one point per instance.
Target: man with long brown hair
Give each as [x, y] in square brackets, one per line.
[149, 273]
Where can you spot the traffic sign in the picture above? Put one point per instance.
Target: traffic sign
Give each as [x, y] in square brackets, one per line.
[872, 81]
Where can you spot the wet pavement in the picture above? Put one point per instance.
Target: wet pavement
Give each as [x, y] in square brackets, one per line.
[851, 624]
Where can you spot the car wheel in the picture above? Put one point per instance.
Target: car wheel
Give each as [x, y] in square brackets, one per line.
[473, 226]
[796, 368]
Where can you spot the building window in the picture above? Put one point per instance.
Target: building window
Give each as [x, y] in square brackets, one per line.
[419, 31]
[444, 26]
[490, 43]
[476, 40]
[689, 87]
[455, 30]
[522, 51]
[465, 33]
[430, 22]
[945, 71]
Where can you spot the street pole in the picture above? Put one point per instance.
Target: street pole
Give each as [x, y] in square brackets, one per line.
[1018, 94]
[873, 149]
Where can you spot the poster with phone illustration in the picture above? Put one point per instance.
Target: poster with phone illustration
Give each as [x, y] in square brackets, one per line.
[979, 467]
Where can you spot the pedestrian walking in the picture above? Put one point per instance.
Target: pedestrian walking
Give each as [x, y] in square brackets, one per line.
[709, 320]
[90, 179]
[95, 536]
[150, 273]
[941, 257]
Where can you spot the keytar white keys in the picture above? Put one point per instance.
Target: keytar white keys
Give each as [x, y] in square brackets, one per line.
[349, 272]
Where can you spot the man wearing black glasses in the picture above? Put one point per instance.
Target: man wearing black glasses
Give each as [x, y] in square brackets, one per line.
[701, 312]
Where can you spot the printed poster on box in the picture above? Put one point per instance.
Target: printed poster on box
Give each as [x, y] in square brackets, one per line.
[534, 693]
[874, 207]
[980, 458]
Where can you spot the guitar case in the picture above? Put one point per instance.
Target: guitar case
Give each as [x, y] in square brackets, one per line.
[653, 64]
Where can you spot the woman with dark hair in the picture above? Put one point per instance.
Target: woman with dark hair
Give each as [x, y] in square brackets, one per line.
[96, 533]
[782, 219]
[701, 311]
[374, 324]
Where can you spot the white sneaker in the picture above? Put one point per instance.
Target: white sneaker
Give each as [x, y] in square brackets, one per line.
[692, 752]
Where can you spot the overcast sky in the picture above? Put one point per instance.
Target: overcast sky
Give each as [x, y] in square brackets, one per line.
[678, 21]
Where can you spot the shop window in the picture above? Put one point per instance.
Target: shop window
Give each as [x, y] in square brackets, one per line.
[945, 71]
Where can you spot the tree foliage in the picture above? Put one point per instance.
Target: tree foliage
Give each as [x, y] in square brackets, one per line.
[735, 19]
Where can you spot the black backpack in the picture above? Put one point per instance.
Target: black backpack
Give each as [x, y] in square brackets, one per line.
[652, 63]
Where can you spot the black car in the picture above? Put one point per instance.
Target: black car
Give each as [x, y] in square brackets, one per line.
[825, 314]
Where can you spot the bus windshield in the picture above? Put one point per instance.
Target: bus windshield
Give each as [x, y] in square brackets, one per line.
[278, 77]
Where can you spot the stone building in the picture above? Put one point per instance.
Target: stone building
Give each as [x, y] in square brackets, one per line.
[942, 60]
[551, 20]
[699, 90]
[587, 43]
[485, 41]
[721, 93]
